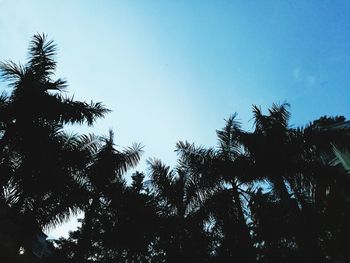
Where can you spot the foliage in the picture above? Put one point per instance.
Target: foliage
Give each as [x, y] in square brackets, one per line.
[273, 194]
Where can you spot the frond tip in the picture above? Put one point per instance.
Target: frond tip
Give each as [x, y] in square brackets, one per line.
[42, 54]
[11, 71]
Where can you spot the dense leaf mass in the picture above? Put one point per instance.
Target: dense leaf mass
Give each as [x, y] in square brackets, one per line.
[274, 194]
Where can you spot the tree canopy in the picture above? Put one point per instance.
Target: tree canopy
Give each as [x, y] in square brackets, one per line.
[270, 195]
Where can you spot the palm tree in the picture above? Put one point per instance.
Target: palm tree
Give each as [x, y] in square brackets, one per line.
[276, 153]
[293, 160]
[106, 226]
[180, 195]
[324, 185]
[41, 164]
[225, 166]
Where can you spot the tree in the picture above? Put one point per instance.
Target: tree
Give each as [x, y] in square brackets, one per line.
[225, 166]
[180, 195]
[115, 214]
[293, 161]
[40, 163]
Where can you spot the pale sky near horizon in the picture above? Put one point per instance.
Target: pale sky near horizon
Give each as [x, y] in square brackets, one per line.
[173, 70]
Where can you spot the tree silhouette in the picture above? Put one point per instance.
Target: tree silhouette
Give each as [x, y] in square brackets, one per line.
[223, 166]
[293, 160]
[39, 161]
[180, 195]
[115, 214]
[272, 194]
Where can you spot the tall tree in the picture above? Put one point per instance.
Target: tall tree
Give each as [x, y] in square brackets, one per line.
[180, 195]
[115, 214]
[225, 166]
[292, 159]
[40, 163]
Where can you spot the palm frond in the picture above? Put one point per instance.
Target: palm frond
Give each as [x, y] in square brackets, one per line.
[42, 54]
[129, 157]
[12, 72]
[189, 151]
[11, 192]
[77, 112]
[229, 145]
[90, 142]
[161, 177]
[59, 217]
[259, 118]
[341, 157]
[280, 113]
[57, 85]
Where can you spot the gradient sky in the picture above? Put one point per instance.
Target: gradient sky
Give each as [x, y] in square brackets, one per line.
[173, 70]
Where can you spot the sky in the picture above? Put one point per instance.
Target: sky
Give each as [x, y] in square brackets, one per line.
[174, 70]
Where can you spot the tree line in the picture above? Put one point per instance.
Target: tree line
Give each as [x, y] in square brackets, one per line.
[270, 195]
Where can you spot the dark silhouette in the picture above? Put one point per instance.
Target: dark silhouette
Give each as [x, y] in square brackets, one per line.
[276, 194]
[40, 164]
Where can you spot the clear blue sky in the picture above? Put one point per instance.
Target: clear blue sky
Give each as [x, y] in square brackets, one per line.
[173, 70]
